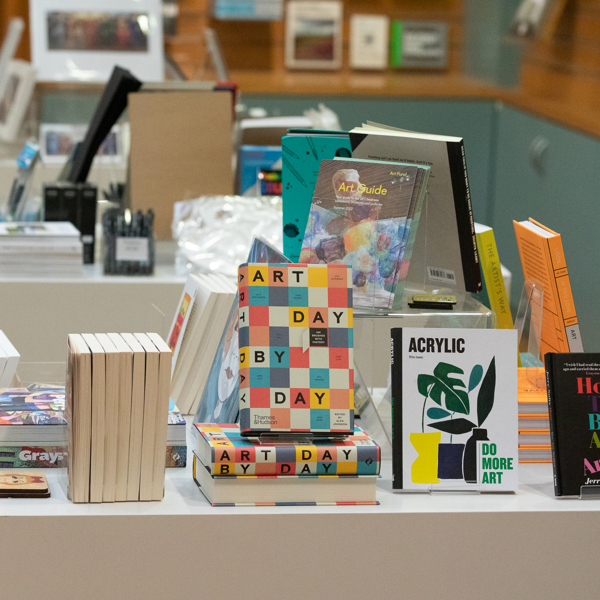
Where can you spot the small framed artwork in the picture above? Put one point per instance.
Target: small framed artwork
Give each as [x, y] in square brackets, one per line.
[57, 141]
[369, 41]
[419, 44]
[20, 83]
[313, 34]
[82, 40]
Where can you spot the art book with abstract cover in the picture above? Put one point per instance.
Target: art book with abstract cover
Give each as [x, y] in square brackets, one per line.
[219, 402]
[224, 451]
[296, 348]
[455, 410]
[573, 385]
[32, 406]
[361, 216]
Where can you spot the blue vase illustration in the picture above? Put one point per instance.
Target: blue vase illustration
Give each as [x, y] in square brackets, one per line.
[470, 457]
[450, 461]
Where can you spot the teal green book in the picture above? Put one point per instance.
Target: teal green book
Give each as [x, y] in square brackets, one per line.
[303, 150]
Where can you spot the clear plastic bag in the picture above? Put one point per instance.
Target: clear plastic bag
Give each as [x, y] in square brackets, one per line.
[214, 233]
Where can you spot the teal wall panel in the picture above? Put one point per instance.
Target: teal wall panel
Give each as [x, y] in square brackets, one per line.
[561, 189]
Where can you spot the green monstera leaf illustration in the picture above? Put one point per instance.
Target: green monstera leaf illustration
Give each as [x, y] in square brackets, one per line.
[441, 382]
[485, 398]
[475, 378]
[437, 413]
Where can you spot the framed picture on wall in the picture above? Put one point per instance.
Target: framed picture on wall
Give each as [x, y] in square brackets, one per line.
[20, 82]
[313, 34]
[82, 40]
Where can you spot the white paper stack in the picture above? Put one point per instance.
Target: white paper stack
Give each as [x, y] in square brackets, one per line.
[32, 247]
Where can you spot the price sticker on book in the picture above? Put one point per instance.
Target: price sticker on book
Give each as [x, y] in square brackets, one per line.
[132, 248]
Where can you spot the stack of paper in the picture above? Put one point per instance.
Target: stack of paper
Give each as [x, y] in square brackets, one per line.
[117, 406]
[9, 359]
[31, 247]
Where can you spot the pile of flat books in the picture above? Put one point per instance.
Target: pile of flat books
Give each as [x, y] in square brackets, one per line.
[235, 470]
[195, 335]
[117, 404]
[33, 429]
[40, 247]
[534, 423]
[9, 360]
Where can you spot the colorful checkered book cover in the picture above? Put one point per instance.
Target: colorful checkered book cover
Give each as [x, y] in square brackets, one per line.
[296, 348]
[224, 451]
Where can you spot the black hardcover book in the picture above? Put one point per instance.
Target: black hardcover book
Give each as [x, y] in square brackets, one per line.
[396, 364]
[573, 383]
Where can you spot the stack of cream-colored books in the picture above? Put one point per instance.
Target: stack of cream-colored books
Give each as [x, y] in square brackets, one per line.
[117, 405]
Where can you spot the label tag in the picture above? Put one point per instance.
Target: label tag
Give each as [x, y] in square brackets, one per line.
[445, 275]
[132, 248]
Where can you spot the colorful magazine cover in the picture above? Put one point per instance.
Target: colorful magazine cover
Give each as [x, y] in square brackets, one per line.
[360, 217]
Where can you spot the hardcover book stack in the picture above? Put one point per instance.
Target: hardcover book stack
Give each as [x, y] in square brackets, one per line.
[296, 395]
[117, 405]
[40, 247]
[534, 424]
[232, 469]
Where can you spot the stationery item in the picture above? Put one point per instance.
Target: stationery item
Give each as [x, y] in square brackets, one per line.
[445, 250]
[432, 301]
[110, 107]
[296, 349]
[252, 161]
[171, 159]
[21, 185]
[454, 404]
[284, 490]
[543, 260]
[419, 44]
[219, 401]
[31, 484]
[224, 451]
[303, 150]
[128, 242]
[491, 270]
[365, 214]
[313, 34]
[9, 360]
[573, 384]
[369, 41]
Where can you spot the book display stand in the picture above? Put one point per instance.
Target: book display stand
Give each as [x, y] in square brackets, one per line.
[528, 322]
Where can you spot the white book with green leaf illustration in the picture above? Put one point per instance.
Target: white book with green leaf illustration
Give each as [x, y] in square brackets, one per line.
[455, 411]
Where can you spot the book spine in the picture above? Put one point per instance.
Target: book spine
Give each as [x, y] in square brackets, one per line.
[553, 422]
[464, 216]
[492, 274]
[564, 294]
[396, 364]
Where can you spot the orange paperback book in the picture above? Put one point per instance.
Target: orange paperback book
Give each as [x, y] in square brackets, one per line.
[543, 260]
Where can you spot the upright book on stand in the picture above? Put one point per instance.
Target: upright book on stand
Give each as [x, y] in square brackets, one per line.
[364, 214]
[573, 386]
[543, 260]
[454, 405]
[445, 250]
[296, 349]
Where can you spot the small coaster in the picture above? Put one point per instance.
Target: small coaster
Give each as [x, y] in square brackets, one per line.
[432, 301]
[21, 484]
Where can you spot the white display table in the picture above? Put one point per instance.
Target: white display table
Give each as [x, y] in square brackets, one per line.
[528, 545]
